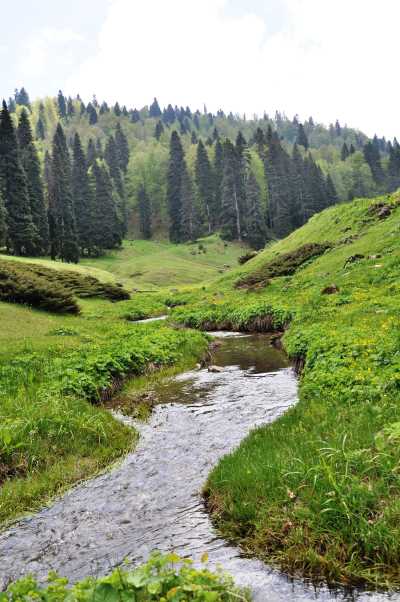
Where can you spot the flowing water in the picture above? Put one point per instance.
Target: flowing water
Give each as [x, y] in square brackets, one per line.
[152, 500]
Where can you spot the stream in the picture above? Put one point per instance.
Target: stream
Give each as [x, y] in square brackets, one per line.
[152, 499]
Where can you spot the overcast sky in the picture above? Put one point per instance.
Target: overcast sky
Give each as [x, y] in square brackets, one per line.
[332, 59]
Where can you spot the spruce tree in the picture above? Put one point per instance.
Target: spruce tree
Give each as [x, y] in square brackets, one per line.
[256, 230]
[70, 107]
[229, 205]
[40, 129]
[394, 167]
[62, 202]
[107, 227]
[190, 220]
[174, 187]
[22, 98]
[3, 223]
[218, 176]
[205, 188]
[344, 152]
[193, 138]
[373, 158]
[92, 113]
[332, 196]
[159, 129]
[144, 213]
[91, 153]
[31, 164]
[22, 236]
[302, 139]
[82, 196]
[117, 110]
[62, 105]
[135, 116]
[121, 143]
[112, 158]
[155, 110]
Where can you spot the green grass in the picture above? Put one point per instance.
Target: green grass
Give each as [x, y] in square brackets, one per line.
[318, 491]
[151, 265]
[54, 372]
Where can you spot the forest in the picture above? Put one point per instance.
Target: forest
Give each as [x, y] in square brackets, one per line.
[77, 178]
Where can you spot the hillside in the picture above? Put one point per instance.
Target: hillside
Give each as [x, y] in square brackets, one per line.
[317, 492]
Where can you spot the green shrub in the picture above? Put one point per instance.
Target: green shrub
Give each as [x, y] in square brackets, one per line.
[163, 578]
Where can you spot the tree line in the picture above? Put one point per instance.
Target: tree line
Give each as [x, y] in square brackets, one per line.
[224, 194]
[77, 209]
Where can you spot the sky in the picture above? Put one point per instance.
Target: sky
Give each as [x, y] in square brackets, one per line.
[332, 59]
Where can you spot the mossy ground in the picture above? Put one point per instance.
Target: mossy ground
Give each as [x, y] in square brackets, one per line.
[318, 491]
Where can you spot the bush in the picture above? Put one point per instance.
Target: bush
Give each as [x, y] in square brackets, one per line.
[161, 578]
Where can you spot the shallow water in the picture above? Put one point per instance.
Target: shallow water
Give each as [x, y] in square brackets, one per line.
[152, 500]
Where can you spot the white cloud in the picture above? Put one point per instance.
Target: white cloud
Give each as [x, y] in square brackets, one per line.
[332, 59]
[45, 47]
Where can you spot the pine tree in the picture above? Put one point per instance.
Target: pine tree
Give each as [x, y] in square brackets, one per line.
[155, 110]
[159, 129]
[302, 139]
[174, 187]
[204, 183]
[62, 105]
[121, 142]
[22, 236]
[31, 165]
[256, 230]
[344, 152]
[62, 209]
[82, 196]
[144, 213]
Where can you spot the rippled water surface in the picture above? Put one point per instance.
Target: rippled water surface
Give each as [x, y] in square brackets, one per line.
[152, 500]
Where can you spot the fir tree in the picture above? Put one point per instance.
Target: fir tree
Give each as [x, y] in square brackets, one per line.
[31, 164]
[155, 110]
[62, 209]
[22, 236]
[3, 223]
[331, 193]
[302, 139]
[230, 217]
[40, 129]
[112, 158]
[190, 222]
[174, 187]
[62, 105]
[256, 230]
[91, 111]
[82, 196]
[344, 153]
[22, 98]
[135, 116]
[107, 227]
[204, 183]
[218, 176]
[121, 143]
[144, 213]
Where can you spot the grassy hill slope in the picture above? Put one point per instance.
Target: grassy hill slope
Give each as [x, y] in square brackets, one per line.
[318, 492]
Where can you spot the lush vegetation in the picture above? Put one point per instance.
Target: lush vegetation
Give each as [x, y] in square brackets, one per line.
[318, 491]
[54, 372]
[76, 177]
[163, 578]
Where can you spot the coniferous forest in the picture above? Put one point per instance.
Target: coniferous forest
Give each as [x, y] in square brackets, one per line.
[76, 178]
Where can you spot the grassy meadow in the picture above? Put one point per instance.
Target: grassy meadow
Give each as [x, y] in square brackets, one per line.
[318, 491]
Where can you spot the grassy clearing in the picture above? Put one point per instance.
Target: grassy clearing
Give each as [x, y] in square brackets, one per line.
[151, 265]
[54, 371]
[318, 491]
[161, 578]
